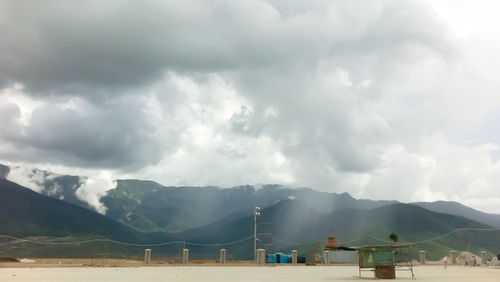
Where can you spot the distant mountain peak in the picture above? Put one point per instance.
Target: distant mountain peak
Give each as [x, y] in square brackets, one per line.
[346, 195]
[4, 171]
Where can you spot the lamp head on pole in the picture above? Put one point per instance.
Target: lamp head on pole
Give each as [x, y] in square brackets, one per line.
[257, 210]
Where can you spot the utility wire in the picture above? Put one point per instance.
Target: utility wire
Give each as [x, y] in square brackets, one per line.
[220, 244]
[379, 239]
[387, 241]
[233, 242]
[456, 230]
[295, 244]
[124, 243]
[353, 240]
[312, 242]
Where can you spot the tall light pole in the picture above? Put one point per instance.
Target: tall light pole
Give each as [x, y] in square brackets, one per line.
[255, 214]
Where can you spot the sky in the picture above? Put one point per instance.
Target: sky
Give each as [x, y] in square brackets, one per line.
[396, 100]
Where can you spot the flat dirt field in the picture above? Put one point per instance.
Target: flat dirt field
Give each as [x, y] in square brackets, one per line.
[238, 273]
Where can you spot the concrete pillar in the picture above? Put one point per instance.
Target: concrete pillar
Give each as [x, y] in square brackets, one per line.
[422, 257]
[222, 259]
[294, 256]
[147, 256]
[257, 256]
[326, 257]
[261, 256]
[453, 258]
[483, 257]
[185, 256]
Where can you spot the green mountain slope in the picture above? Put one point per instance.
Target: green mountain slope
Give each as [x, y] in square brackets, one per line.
[461, 210]
[293, 223]
[149, 206]
[27, 214]
[62, 187]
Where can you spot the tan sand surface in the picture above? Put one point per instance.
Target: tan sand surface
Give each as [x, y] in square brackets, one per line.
[238, 273]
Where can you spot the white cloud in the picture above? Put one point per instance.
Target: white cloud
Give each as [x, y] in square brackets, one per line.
[94, 188]
[27, 177]
[15, 95]
[383, 99]
[439, 170]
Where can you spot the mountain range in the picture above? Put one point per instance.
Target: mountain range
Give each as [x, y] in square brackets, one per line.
[461, 210]
[146, 212]
[294, 223]
[148, 206]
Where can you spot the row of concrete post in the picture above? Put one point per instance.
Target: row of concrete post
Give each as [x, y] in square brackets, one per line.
[260, 256]
[453, 257]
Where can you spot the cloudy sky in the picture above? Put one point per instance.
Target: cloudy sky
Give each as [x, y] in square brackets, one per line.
[382, 99]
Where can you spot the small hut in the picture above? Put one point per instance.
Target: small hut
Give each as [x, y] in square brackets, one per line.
[384, 260]
[340, 254]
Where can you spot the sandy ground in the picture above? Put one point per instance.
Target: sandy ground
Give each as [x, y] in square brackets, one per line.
[238, 273]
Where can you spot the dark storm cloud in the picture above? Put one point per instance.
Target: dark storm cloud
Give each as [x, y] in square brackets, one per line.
[67, 47]
[112, 135]
[325, 116]
[322, 80]
[302, 62]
